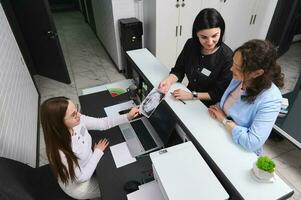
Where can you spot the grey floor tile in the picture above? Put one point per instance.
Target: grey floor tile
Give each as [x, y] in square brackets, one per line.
[274, 149]
[296, 196]
[288, 167]
[43, 157]
[116, 77]
[290, 64]
[51, 88]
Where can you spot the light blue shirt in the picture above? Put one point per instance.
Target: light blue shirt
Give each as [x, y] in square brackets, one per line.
[254, 121]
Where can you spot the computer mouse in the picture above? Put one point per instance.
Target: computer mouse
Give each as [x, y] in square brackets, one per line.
[131, 186]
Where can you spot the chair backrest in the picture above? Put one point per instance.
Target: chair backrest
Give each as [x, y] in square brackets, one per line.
[49, 187]
[20, 181]
[17, 180]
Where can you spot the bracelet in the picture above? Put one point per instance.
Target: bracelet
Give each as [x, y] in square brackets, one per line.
[225, 121]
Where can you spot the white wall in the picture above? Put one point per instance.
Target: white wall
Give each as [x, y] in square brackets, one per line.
[139, 9]
[121, 9]
[103, 16]
[18, 101]
[106, 14]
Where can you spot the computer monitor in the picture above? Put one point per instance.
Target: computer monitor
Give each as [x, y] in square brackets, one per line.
[163, 121]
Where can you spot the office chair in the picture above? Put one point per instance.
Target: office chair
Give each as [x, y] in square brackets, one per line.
[20, 181]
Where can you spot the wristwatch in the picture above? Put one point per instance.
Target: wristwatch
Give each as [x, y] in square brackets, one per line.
[194, 94]
[225, 121]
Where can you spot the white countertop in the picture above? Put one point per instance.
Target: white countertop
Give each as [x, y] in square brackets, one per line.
[232, 160]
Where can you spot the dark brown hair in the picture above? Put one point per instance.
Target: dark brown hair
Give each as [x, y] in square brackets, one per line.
[58, 138]
[206, 19]
[260, 54]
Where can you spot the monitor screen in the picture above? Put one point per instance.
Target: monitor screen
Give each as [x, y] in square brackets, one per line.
[163, 121]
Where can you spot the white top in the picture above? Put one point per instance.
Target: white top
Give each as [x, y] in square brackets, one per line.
[184, 174]
[81, 146]
[232, 160]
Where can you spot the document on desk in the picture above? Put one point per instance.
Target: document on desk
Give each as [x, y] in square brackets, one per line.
[148, 191]
[121, 155]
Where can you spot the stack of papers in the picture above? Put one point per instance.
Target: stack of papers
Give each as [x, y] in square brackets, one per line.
[284, 107]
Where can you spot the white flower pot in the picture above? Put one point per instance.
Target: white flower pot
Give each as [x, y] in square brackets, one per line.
[263, 176]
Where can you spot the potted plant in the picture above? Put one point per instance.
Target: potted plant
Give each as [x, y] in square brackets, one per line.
[264, 169]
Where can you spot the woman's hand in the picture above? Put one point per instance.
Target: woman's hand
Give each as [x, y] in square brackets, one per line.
[102, 144]
[134, 112]
[216, 112]
[165, 85]
[181, 94]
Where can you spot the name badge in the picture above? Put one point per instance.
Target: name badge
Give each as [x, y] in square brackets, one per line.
[206, 72]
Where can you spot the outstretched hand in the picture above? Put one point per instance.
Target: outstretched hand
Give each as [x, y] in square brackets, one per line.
[165, 85]
[134, 112]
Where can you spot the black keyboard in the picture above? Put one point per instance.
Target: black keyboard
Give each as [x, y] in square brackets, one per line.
[144, 136]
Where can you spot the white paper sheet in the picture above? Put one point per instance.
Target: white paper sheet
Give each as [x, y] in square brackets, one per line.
[149, 184]
[121, 155]
[115, 109]
[148, 191]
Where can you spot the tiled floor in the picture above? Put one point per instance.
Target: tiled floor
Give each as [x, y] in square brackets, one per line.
[89, 65]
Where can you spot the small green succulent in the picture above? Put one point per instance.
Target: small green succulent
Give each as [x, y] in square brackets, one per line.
[266, 164]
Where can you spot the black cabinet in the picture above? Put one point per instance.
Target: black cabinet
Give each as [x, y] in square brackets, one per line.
[131, 32]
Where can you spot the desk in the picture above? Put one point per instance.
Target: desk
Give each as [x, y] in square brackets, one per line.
[230, 163]
[175, 167]
[111, 179]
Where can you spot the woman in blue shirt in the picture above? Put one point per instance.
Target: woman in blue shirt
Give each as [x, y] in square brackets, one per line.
[252, 100]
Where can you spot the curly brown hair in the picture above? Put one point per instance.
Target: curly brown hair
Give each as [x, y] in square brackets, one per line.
[260, 54]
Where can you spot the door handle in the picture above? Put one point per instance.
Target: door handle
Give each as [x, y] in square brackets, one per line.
[180, 30]
[51, 34]
[176, 31]
[251, 20]
[254, 19]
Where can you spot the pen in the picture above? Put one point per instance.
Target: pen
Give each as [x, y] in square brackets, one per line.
[179, 99]
[182, 101]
